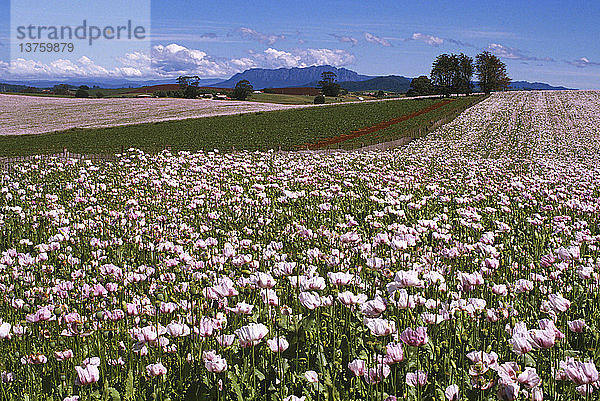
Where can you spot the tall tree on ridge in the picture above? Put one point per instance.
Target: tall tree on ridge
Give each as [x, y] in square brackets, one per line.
[491, 72]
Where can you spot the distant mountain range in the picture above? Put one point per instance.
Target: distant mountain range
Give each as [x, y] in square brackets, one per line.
[262, 78]
[524, 85]
[400, 84]
[350, 80]
[100, 82]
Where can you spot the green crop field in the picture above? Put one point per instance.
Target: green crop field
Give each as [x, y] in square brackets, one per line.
[288, 130]
[302, 99]
[285, 99]
[449, 111]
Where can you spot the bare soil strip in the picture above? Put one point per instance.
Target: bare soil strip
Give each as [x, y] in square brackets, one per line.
[373, 128]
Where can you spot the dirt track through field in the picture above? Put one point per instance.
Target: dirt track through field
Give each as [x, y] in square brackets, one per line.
[373, 128]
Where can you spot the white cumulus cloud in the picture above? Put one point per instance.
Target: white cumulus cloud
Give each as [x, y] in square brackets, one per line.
[513, 53]
[369, 37]
[81, 68]
[333, 57]
[503, 51]
[273, 58]
[583, 62]
[346, 39]
[436, 41]
[174, 60]
[428, 39]
[267, 39]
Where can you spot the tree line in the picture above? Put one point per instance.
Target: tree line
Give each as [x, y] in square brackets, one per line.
[453, 73]
[188, 86]
[450, 73]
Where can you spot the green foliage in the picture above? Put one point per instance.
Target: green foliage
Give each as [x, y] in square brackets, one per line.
[185, 81]
[30, 89]
[328, 84]
[389, 83]
[421, 86]
[319, 99]
[129, 387]
[190, 92]
[188, 86]
[242, 90]
[62, 89]
[491, 73]
[452, 73]
[82, 91]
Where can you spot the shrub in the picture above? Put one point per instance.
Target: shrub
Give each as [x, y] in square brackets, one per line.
[82, 91]
[319, 99]
[190, 92]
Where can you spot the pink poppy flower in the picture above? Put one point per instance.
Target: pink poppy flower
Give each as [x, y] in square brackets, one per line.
[214, 362]
[251, 334]
[381, 327]
[576, 326]
[417, 378]
[311, 376]
[309, 300]
[278, 344]
[88, 373]
[394, 353]
[378, 373]
[156, 369]
[63, 355]
[5, 330]
[414, 338]
[529, 378]
[543, 339]
[451, 392]
[358, 367]
[558, 303]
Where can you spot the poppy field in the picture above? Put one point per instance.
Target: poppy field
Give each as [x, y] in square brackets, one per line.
[266, 128]
[463, 266]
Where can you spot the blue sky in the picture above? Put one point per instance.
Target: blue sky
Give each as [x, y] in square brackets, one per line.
[551, 41]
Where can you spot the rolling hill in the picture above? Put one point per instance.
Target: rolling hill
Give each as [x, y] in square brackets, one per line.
[524, 85]
[391, 83]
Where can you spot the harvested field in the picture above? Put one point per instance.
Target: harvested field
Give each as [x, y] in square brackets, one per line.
[35, 115]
